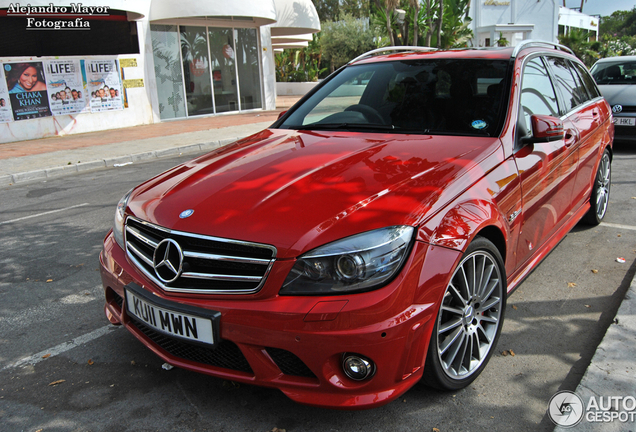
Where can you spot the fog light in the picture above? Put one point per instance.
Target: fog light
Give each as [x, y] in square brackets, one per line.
[356, 367]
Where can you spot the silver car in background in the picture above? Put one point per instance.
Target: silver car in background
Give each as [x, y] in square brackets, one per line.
[616, 78]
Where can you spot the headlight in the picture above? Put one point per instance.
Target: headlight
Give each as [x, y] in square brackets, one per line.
[357, 263]
[118, 228]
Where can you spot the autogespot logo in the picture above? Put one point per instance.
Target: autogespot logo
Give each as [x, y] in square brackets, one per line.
[566, 409]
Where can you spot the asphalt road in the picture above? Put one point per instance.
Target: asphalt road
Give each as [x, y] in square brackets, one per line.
[64, 368]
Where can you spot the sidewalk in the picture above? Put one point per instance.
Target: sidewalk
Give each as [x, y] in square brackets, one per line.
[612, 371]
[45, 158]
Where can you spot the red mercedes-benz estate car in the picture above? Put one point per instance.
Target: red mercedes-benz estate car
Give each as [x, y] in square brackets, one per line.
[368, 239]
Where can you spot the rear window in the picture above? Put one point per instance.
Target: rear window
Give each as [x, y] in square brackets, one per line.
[455, 96]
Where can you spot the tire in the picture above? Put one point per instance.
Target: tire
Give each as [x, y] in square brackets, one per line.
[469, 320]
[599, 198]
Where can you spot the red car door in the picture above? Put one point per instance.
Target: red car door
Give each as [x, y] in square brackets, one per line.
[547, 170]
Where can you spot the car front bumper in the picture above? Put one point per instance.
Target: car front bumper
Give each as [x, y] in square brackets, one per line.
[297, 343]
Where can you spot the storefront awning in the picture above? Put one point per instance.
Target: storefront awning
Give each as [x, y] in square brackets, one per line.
[292, 39]
[295, 17]
[262, 12]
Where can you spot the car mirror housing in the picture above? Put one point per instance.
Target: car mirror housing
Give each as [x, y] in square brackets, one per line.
[545, 128]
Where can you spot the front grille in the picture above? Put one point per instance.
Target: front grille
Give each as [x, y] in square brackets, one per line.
[195, 263]
[226, 354]
[289, 363]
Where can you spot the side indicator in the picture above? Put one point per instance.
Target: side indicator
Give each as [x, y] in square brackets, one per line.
[513, 216]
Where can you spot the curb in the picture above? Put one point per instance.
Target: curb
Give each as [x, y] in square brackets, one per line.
[612, 371]
[60, 171]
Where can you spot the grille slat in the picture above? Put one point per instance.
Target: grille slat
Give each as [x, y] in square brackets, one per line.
[210, 265]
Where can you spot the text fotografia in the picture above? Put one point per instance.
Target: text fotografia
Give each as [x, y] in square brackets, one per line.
[54, 17]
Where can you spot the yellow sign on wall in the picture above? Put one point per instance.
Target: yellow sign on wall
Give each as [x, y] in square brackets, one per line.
[129, 62]
[132, 83]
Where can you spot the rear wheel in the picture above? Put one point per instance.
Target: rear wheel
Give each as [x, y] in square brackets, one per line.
[469, 320]
[599, 198]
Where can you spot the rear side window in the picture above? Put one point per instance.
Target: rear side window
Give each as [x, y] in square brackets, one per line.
[588, 81]
[571, 91]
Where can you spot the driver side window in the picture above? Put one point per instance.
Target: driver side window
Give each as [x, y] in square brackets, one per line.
[537, 94]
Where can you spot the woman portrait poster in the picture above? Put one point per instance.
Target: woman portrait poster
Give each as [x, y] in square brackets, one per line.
[27, 90]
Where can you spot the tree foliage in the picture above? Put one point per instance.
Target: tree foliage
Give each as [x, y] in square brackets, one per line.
[422, 23]
[300, 65]
[344, 40]
[619, 24]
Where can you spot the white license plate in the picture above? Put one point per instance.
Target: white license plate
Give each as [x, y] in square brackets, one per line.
[625, 121]
[178, 324]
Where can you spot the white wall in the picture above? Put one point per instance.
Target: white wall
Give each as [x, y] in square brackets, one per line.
[139, 111]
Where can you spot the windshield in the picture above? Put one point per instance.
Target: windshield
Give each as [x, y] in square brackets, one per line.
[436, 96]
[615, 73]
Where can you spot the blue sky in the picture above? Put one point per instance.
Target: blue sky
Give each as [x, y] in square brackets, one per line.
[600, 7]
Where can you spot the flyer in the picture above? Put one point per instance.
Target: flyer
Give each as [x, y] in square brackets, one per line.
[65, 86]
[6, 115]
[104, 85]
[27, 90]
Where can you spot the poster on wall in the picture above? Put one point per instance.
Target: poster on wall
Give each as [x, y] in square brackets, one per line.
[103, 85]
[27, 90]
[67, 94]
[6, 115]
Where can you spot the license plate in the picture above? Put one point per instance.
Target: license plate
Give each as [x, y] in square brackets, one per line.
[625, 121]
[169, 320]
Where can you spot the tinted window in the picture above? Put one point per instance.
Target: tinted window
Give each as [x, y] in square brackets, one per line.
[537, 93]
[620, 72]
[426, 96]
[571, 91]
[592, 90]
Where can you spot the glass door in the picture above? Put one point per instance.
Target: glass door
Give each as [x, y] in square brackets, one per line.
[223, 61]
[248, 68]
[196, 70]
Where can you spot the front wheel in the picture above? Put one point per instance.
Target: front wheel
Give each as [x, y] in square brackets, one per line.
[599, 198]
[469, 320]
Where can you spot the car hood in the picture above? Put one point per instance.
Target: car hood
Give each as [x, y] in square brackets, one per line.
[619, 94]
[297, 190]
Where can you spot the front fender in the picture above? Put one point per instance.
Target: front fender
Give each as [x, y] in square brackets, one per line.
[491, 204]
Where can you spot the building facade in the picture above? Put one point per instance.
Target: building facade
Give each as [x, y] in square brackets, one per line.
[517, 20]
[73, 68]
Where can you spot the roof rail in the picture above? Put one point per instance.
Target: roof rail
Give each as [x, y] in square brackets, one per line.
[391, 48]
[539, 43]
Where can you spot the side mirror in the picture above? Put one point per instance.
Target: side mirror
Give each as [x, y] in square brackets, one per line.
[282, 114]
[545, 128]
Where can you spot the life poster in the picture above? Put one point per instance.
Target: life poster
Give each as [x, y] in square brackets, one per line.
[104, 85]
[26, 83]
[65, 86]
[6, 115]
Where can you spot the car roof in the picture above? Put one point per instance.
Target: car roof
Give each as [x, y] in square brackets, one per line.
[492, 53]
[618, 59]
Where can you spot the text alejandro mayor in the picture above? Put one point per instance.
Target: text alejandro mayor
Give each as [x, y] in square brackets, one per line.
[41, 17]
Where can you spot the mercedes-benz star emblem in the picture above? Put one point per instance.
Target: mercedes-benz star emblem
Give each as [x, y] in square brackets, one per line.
[186, 213]
[617, 108]
[168, 260]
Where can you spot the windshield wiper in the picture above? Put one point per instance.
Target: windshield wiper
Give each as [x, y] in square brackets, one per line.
[339, 126]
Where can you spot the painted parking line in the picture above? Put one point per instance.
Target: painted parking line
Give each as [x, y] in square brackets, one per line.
[619, 226]
[61, 348]
[43, 214]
